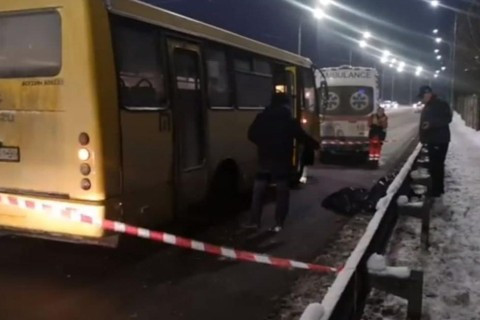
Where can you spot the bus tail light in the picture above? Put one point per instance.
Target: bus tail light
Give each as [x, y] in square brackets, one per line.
[83, 154]
[86, 184]
[85, 169]
[83, 138]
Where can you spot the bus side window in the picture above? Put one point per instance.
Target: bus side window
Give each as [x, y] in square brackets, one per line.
[139, 67]
[218, 78]
[254, 82]
[309, 100]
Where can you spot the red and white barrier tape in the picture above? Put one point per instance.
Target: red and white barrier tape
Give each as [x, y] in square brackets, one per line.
[76, 215]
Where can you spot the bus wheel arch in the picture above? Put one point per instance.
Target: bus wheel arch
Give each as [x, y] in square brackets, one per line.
[225, 183]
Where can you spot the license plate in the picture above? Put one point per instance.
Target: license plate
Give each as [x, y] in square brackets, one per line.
[10, 154]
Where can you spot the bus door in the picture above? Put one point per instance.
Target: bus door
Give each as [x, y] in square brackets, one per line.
[189, 118]
[296, 112]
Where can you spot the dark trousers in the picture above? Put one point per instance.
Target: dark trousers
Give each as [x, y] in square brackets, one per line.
[282, 200]
[437, 154]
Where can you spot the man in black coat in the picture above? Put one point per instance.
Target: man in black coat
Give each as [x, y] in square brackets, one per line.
[435, 133]
[273, 132]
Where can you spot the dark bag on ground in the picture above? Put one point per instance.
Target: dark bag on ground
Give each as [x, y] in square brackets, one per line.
[347, 201]
[378, 191]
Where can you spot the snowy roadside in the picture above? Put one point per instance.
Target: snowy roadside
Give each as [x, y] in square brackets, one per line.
[312, 286]
[451, 266]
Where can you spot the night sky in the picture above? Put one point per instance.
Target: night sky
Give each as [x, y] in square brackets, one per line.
[402, 26]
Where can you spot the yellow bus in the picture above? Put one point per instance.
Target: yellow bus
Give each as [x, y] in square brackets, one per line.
[124, 111]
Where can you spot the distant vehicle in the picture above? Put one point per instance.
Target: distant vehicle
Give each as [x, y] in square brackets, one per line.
[418, 106]
[353, 96]
[387, 104]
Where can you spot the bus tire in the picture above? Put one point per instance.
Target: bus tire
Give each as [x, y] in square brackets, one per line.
[224, 190]
[325, 157]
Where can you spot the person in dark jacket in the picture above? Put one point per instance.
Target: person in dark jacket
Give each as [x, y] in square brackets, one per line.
[273, 132]
[435, 133]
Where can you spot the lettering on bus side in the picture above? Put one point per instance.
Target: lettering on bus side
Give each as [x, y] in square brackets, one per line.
[48, 82]
[7, 117]
[165, 122]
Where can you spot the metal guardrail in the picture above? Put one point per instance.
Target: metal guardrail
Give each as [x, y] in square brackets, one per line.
[345, 299]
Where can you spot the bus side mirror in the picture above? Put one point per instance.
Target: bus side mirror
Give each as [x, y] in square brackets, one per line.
[324, 93]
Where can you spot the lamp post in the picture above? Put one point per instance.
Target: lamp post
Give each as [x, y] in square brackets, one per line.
[318, 14]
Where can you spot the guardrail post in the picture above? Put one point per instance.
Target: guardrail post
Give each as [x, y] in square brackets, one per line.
[422, 213]
[410, 288]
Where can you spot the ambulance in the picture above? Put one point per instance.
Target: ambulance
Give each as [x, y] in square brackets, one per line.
[353, 96]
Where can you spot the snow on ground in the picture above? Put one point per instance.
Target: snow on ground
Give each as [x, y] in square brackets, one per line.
[312, 287]
[452, 264]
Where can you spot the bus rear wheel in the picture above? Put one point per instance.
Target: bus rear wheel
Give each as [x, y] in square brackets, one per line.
[224, 192]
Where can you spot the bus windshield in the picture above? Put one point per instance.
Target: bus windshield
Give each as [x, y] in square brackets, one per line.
[350, 100]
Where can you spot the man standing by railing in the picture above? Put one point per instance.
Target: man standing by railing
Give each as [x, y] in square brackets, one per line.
[435, 133]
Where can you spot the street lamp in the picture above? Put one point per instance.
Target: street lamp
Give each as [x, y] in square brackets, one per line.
[418, 71]
[436, 50]
[435, 75]
[438, 40]
[367, 35]
[434, 3]
[318, 13]
[385, 56]
[362, 43]
[435, 31]
[439, 57]
[444, 68]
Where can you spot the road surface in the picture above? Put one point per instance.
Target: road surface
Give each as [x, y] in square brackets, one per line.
[47, 280]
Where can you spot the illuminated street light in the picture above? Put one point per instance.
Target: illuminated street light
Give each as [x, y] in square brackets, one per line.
[325, 2]
[434, 3]
[439, 57]
[391, 65]
[319, 13]
[418, 71]
[385, 56]
[367, 35]
[435, 31]
[438, 40]
[444, 68]
[436, 75]
[437, 71]
[436, 51]
[394, 60]
[401, 66]
[362, 43]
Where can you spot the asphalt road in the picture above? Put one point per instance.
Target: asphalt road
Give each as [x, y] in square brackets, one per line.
[47, 280]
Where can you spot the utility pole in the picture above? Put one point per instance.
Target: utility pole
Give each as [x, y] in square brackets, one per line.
[299, 45]
[453, 57]
[393, 86]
